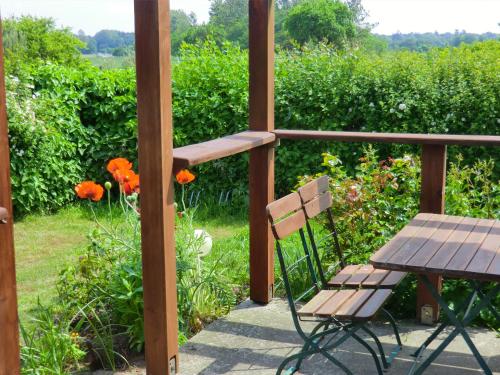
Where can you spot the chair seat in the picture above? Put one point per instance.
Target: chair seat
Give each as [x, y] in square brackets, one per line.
[365, 276]
[350, 304]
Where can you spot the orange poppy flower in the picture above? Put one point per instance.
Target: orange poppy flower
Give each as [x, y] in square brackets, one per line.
[89, 190]
[119, 163]
[123, 175]
[184, 177]
[132, 186]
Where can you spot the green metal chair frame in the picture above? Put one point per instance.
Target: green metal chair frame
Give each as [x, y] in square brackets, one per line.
[324, 206]
[327, 328]
[319, 188]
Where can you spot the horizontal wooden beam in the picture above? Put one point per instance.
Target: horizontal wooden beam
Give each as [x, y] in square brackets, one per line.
[199, 153]
[422, 139]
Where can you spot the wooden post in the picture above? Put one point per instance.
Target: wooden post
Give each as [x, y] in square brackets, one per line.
[154, 107]
[9, 324]
[432, 196]
[261, 34]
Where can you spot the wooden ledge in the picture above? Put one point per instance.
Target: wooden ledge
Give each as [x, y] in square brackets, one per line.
[427, 139]
[199, 153]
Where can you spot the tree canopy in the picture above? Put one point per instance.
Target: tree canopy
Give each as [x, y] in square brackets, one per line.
[317, 20]
[30, 39]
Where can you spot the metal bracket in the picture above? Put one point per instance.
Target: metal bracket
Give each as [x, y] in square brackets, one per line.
[173, 365]
[426, 315]
[4, 215]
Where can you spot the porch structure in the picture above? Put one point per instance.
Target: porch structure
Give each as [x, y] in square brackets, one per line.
[159, 161]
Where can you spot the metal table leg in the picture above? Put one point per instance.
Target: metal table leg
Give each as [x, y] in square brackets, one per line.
[471, 313]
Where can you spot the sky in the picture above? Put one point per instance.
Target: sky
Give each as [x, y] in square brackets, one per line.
[391, 16]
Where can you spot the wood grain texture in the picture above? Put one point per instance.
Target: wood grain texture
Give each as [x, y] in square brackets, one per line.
[460, 247]
[314, 188]
[422, 139]
[199, 153]
[9, 324]
[433, 182]
[283, 206]
[154, 108]
[261, 173]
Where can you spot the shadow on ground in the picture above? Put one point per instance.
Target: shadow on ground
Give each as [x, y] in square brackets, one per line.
[255, 339]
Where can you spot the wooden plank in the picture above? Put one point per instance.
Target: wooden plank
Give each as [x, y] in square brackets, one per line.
[470, 246]
[154, 109]
[373, 305]
[432, 195]
[392, 279]
[330, 307]
[314, 188]
[422, 139]
[487, 252]
[494, 268]
[361, 274]
[427, 251]
[284, 206]
[261, 173]
[354, 303]
[318, 205]
[316, 302]
[344, 274]
[413, 245]
[199, 153]
[289, 225]
[376, 277]
[9, 324]
[404, 235]
[441, 258]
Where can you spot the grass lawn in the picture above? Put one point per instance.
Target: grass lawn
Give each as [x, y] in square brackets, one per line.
[45, 244]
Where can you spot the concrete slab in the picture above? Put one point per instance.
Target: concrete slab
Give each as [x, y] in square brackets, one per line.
[254, 339]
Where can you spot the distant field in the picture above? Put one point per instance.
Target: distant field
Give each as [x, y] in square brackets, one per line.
[111, 62]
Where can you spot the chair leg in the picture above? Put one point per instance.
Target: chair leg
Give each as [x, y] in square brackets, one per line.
[305, 347]
[372, 352]
[385, 363]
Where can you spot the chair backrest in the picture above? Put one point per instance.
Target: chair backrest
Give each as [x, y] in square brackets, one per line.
[287, 218]
[316, 198]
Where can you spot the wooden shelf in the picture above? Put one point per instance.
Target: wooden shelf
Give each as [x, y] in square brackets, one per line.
[199, 153]
[428, 139]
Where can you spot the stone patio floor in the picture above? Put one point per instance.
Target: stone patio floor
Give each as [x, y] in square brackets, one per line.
[254, 339]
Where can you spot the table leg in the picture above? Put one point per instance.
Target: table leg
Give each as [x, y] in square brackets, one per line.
[477, 286]
[459, 326]
[466, 305]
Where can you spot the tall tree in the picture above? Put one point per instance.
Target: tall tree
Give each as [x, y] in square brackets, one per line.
[316, 20]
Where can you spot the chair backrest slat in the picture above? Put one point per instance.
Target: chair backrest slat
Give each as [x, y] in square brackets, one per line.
[318, 205]
[317, 198]
[289, 225]
[314, 188]
[284, 206]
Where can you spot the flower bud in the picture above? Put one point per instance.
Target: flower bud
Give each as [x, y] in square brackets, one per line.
[108, 185]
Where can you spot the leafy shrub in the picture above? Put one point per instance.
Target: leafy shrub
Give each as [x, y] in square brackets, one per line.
[51, 346]
[45, 162]
[452, 90]
[374, 203]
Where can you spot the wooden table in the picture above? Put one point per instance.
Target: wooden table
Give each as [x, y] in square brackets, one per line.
[453, 247]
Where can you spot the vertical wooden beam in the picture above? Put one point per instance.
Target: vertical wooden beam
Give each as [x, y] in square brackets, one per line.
[432, 196]
[9, 324]
[154, 110]
[261, 174]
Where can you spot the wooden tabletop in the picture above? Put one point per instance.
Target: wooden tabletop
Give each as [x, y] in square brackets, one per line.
[453, 246]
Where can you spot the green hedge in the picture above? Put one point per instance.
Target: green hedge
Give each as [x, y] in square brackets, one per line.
[92, 113]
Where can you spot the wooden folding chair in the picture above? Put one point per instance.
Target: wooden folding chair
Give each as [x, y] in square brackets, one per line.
[340, 313]
[317, 199]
